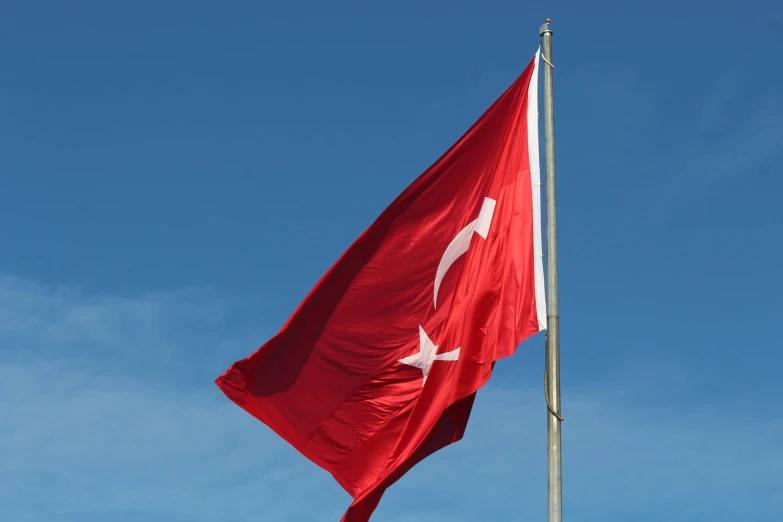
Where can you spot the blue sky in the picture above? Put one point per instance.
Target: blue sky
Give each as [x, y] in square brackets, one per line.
[175, 176]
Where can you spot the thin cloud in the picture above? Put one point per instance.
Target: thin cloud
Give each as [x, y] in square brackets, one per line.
[747, 146]
[95, 445]
[739, 152]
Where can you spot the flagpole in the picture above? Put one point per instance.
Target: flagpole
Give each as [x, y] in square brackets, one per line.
[552, 376]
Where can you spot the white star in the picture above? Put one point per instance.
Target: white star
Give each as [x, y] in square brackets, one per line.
[427, 354]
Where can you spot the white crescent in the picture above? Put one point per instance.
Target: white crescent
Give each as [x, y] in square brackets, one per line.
[459, 245]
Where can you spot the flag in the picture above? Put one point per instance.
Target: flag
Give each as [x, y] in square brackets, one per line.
[380, 364]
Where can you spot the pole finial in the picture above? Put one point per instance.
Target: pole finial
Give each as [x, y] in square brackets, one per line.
[545, 28]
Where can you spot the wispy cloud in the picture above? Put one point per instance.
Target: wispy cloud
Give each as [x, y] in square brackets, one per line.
[740, 151]
[62, 314]
[86, 435]
[85, 438]
[724, 152]
[89, 444]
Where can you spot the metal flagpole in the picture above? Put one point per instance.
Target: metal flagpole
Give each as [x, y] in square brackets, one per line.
[552, 375]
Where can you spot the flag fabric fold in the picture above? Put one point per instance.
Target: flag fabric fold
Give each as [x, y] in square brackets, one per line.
[379, 366]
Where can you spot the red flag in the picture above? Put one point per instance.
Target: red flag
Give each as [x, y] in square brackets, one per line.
[379, 366]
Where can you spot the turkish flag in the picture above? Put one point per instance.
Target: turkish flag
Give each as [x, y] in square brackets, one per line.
[379, 366]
